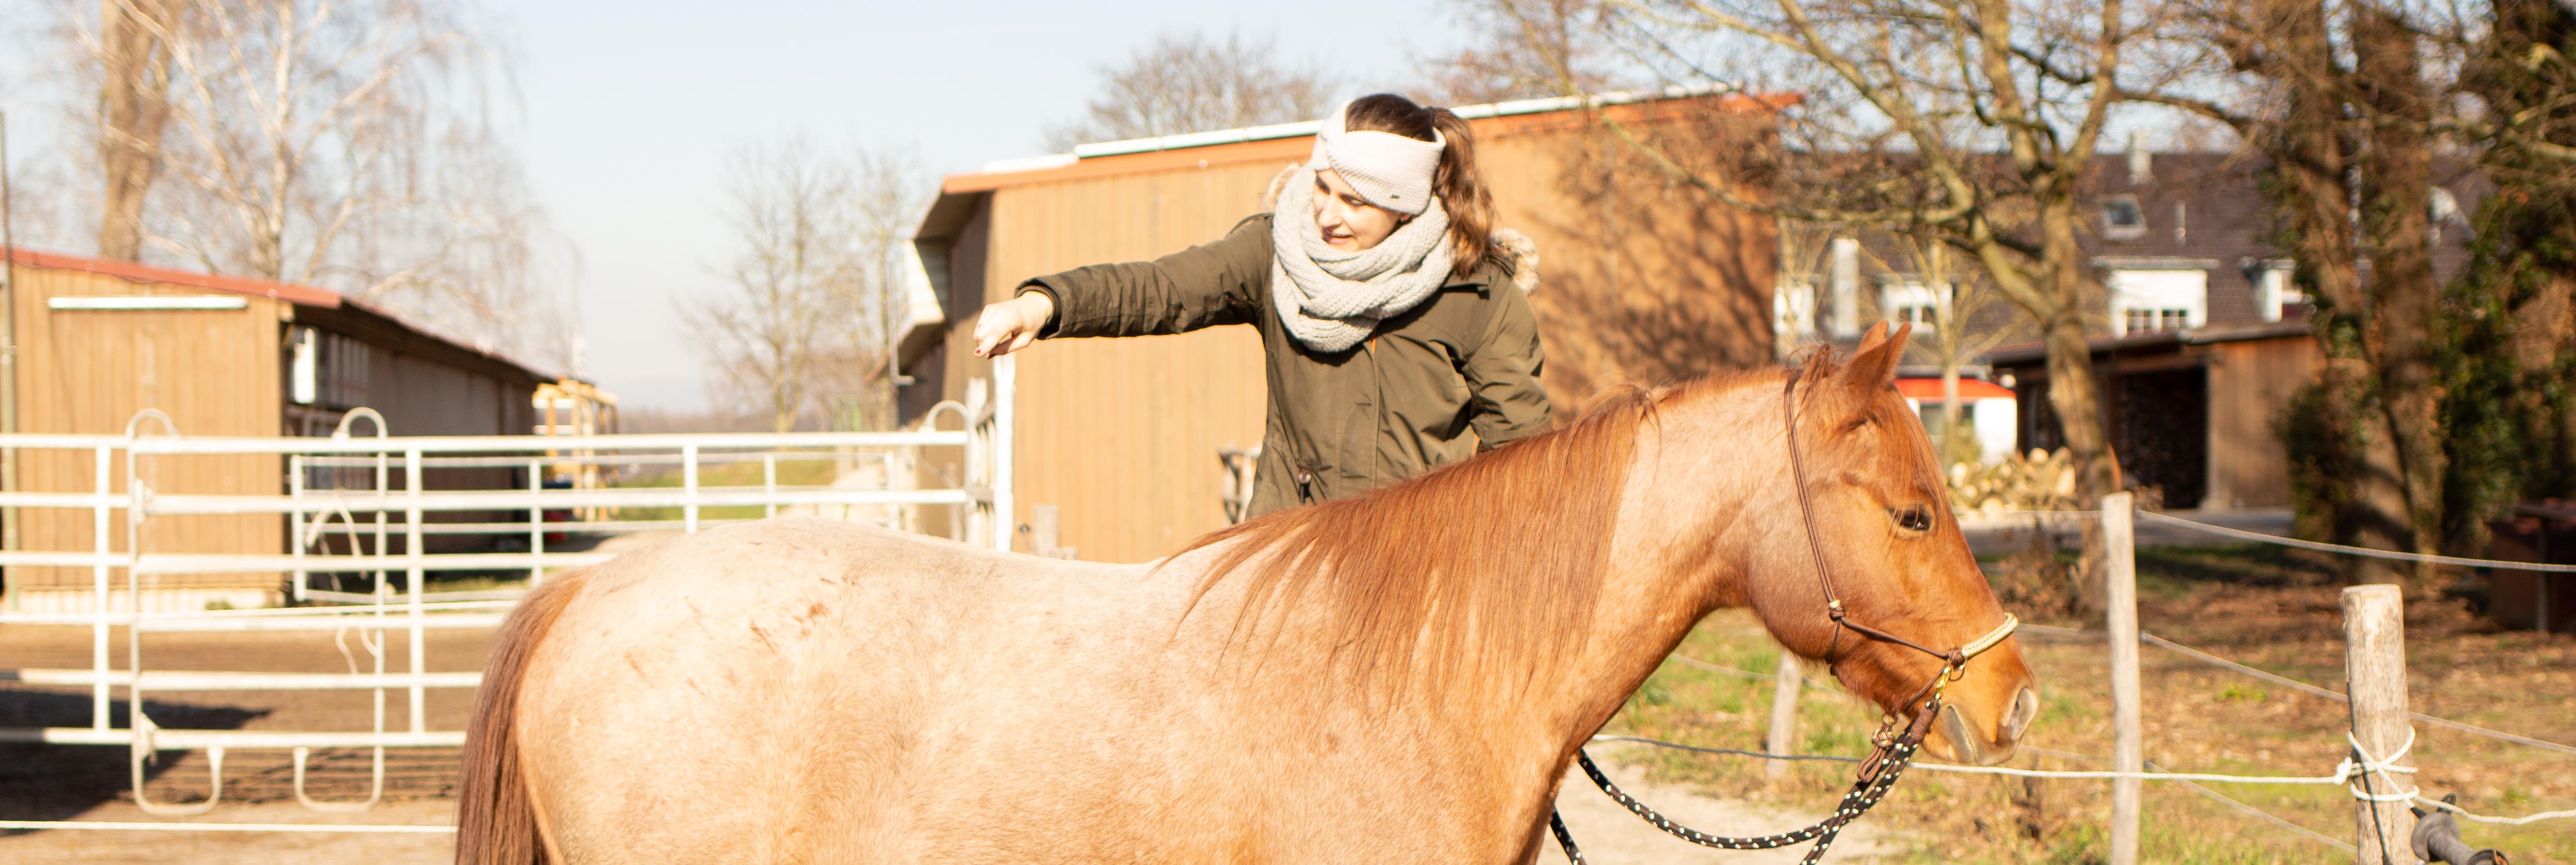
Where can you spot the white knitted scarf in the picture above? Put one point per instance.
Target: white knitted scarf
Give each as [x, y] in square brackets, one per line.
[1331, 300]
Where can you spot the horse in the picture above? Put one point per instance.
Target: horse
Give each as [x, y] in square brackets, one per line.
[1402, 676]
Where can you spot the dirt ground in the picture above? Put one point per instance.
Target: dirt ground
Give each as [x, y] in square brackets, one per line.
[243, 848]
[1607, 833]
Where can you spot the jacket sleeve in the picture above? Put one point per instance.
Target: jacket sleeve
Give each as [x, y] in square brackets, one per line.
[1222, 282]
[1502, 374]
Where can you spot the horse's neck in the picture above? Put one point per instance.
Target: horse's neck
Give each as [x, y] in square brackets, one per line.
[1679, 549]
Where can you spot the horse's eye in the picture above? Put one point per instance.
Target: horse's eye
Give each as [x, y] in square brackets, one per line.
[1912, 518]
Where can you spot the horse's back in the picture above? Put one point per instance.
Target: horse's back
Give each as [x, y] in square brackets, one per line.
[783, 678]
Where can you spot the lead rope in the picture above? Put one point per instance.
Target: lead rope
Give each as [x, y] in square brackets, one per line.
[1891, 751]
[1887, 761]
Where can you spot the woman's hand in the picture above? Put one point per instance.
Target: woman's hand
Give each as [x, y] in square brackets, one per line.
[1011, 325]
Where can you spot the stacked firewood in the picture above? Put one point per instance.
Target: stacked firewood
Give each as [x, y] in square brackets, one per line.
[2036, 481]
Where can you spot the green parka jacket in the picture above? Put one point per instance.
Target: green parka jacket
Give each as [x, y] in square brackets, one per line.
[1457, 374]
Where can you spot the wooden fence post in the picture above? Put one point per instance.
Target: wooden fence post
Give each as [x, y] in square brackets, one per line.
[2128, 748]
[1784, 715]
[1045, 530]
[2374, 659]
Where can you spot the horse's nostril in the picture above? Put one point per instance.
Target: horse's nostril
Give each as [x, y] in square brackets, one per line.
[2025, 708]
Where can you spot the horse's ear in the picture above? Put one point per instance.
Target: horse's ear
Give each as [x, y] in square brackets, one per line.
[1873, 365]
[1876, 337]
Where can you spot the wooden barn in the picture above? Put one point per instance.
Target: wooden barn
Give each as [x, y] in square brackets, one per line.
[99, 341]
[2191, 411]
[1642, 281]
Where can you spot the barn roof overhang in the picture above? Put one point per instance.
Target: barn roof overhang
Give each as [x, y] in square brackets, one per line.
[383, 329]
[925, 289]
[1287, 140]
[365, 321]
[2027, 354]
[133, 272]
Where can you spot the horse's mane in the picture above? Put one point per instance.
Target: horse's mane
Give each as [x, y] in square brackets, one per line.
[1431, 561]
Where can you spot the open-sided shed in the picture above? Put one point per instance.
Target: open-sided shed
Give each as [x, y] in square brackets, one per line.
[2192, 412]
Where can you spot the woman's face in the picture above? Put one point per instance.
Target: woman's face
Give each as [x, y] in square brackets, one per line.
[1349, 222]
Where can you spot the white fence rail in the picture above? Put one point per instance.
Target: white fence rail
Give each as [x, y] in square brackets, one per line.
[357, 508]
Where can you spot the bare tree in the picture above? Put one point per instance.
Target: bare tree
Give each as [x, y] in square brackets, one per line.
[2508, 409]
[888, 198]
[1193, 83]
[2337, 95]
[342, 143]
[1515, 49]
[1963, 324]
[1796, 298]
[132, 64]
[812, 300]
[1922, 115]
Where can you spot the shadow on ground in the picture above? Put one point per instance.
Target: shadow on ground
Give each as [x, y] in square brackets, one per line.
[58, 782]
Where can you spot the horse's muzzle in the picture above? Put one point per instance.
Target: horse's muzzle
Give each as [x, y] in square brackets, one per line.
[1974, 748]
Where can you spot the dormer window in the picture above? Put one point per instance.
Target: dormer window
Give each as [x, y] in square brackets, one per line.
[2123, 219]
[2152, 296]
[1911, 301]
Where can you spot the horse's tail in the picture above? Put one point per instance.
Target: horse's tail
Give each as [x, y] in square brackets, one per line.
[496, 817]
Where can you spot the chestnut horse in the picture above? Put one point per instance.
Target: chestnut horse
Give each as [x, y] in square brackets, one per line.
[1403, 676]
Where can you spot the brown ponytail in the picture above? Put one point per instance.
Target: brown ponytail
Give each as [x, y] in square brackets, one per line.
[1462, 192]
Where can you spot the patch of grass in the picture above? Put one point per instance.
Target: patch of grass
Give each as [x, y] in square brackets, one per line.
[2242, 693]
[791, 473]
[479, 581]
[2250, 564]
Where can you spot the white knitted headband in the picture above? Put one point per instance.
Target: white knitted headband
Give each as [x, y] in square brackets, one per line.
[1390, 170]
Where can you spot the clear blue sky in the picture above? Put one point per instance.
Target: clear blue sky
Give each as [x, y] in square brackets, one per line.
[630, 109]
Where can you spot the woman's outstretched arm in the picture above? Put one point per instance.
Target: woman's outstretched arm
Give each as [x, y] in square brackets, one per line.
[1202, 286]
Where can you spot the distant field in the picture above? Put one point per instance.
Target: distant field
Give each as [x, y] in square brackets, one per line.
[791, 473]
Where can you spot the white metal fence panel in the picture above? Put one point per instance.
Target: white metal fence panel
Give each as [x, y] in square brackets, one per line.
[356, 508]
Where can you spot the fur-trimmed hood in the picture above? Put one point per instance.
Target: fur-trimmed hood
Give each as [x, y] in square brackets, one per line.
[1519, 252]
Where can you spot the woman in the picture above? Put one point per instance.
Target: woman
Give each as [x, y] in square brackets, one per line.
[1396, 337]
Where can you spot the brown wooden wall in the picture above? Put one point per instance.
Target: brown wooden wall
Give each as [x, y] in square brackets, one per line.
[1642, 282]
[214, 372]
[1122, 434]
[2249, 384]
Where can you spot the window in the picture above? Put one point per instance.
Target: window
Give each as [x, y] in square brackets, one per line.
[1914, 302]
[2122, 219]
[2274, 294]
[1793, 312]
[2153, 300]
[2137, 320]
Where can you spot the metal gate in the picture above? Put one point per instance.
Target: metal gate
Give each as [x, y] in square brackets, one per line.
[357, 507]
